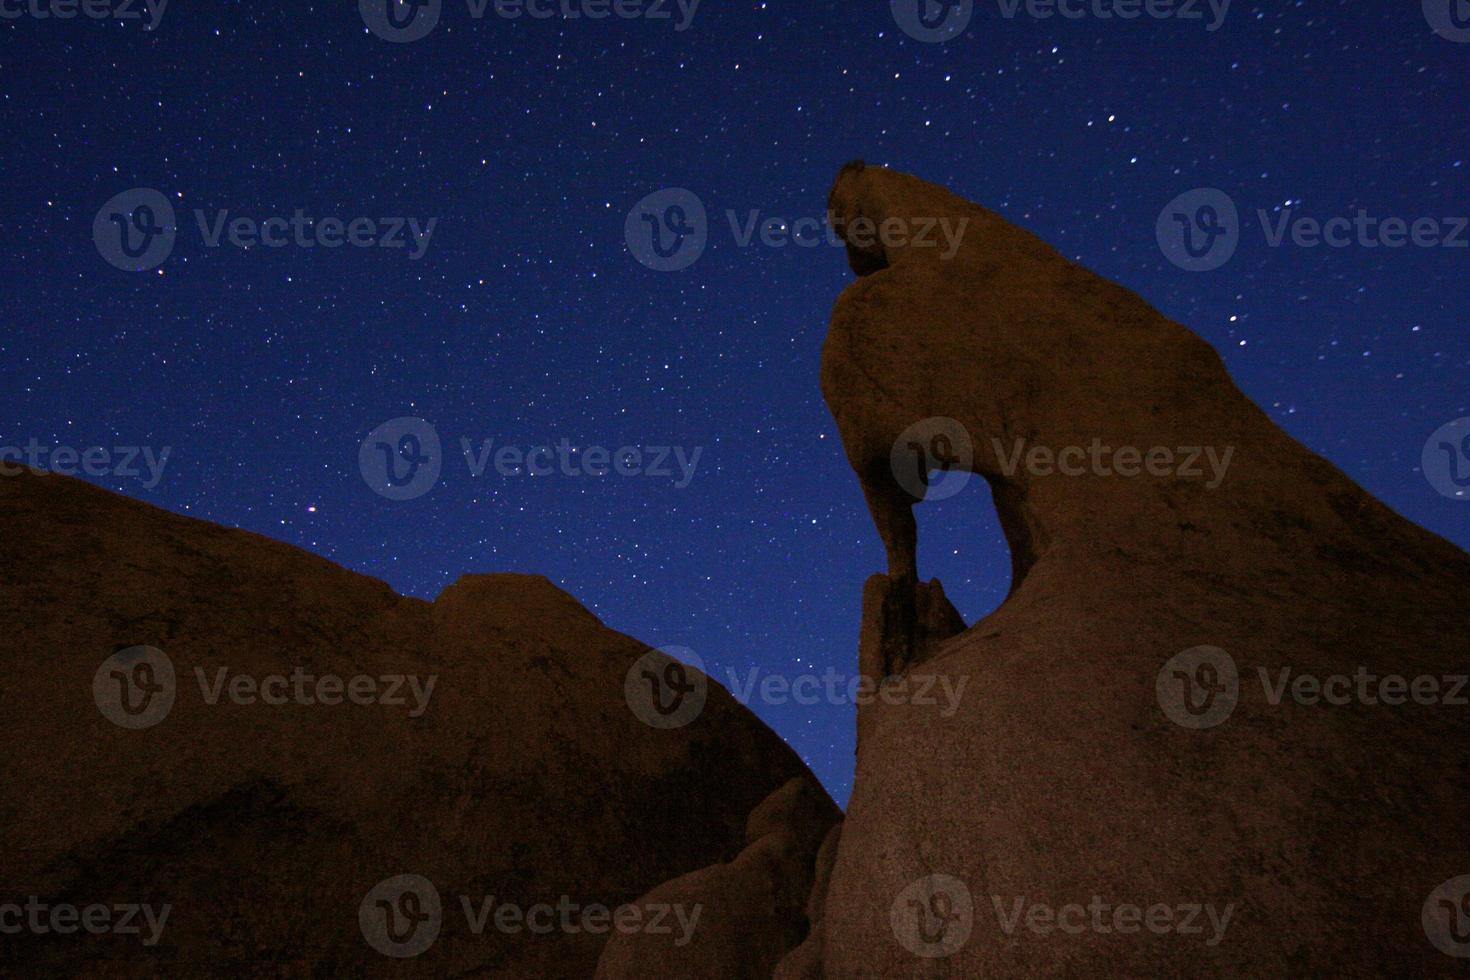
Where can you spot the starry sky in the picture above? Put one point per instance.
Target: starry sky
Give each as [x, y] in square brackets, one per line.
[527, 319]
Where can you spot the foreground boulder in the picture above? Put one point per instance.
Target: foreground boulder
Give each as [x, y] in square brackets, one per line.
[1127, 789]
[279, 808]
[737, 921]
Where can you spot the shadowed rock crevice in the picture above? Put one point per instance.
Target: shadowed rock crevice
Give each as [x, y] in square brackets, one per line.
[908, 619]
[805, 962]
[751, 911]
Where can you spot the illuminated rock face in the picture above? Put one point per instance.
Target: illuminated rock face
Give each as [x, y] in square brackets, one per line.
[266, 826]
[1151, 509]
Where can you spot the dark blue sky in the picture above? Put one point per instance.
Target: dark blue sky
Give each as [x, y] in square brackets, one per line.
[528, 321]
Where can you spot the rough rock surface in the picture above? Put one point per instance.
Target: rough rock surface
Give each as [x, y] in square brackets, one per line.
[1062, 777]
[902, 625]
[805, 962]
[751, 911]
[265, 826]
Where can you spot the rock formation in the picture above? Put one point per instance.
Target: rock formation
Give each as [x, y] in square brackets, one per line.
[753, 910]
[1144, 590]
[1216, 728]
[805, 962]
[266, 827]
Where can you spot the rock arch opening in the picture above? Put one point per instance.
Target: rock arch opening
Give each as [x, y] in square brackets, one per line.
[962, 543]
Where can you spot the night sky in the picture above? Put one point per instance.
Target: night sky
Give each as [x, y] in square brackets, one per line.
[527, 319]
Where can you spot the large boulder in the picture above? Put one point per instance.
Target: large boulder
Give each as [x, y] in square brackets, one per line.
[279, 834]
[737, 920]
[1124, 790]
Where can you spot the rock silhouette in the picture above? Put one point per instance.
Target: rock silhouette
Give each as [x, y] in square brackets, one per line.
[265, 826]
[753, 910]
[1063, 778]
